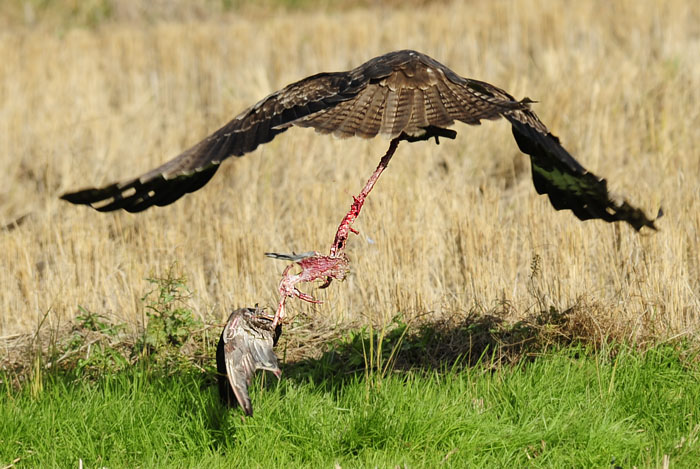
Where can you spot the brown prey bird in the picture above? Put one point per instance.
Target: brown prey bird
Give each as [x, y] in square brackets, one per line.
[245, 346]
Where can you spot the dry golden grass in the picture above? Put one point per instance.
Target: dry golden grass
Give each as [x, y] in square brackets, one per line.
[448, 229]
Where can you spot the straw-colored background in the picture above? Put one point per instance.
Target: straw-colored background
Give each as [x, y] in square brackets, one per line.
[448, 228]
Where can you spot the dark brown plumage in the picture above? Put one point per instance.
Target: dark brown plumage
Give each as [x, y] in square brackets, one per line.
[403, 94]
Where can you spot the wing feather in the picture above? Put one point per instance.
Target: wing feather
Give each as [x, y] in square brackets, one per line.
[354, 116]
[361, 108]
[419, 119]
[436, 112]
[372, 120]
[565, 181]
[256, 125]
[401, 114]
[391, 109]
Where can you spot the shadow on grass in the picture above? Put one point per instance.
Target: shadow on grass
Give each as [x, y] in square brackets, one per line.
[440, 345]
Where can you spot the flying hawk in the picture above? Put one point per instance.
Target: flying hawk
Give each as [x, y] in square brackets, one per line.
[403, 95]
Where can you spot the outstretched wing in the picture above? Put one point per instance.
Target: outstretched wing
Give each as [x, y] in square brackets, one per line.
[194, 167]
[246, 345]
[410, 92]
[568, 184]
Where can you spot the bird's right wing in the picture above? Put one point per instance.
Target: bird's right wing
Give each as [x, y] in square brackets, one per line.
[400, 94]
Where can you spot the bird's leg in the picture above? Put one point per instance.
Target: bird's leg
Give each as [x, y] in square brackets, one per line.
[334, 266]
[341, 236]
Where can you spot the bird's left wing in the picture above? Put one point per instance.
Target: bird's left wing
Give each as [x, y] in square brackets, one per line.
[568, 184]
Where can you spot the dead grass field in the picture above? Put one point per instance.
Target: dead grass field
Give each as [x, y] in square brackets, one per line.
[448, 229]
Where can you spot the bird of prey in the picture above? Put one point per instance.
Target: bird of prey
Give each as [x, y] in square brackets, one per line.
[403, 95]
[245, 346]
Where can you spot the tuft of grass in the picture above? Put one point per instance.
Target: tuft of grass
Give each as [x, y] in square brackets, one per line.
[170, 337]
[568, 408]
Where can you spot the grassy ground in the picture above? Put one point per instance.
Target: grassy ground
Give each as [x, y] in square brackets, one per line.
[473, 391]
[567, 408]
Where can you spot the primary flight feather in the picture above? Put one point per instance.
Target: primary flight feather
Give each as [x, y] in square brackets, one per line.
[402, 95]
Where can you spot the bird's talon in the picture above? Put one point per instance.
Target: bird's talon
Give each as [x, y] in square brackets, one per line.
[305, 297]
[327, 283]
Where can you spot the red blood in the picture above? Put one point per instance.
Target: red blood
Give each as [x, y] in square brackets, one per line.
[336, 264]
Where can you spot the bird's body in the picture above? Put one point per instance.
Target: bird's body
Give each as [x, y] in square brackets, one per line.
[402, 95]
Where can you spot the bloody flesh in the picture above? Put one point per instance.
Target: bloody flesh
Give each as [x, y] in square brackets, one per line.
[336, 264]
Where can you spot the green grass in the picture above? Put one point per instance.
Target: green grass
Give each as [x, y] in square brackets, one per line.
[566, 408]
